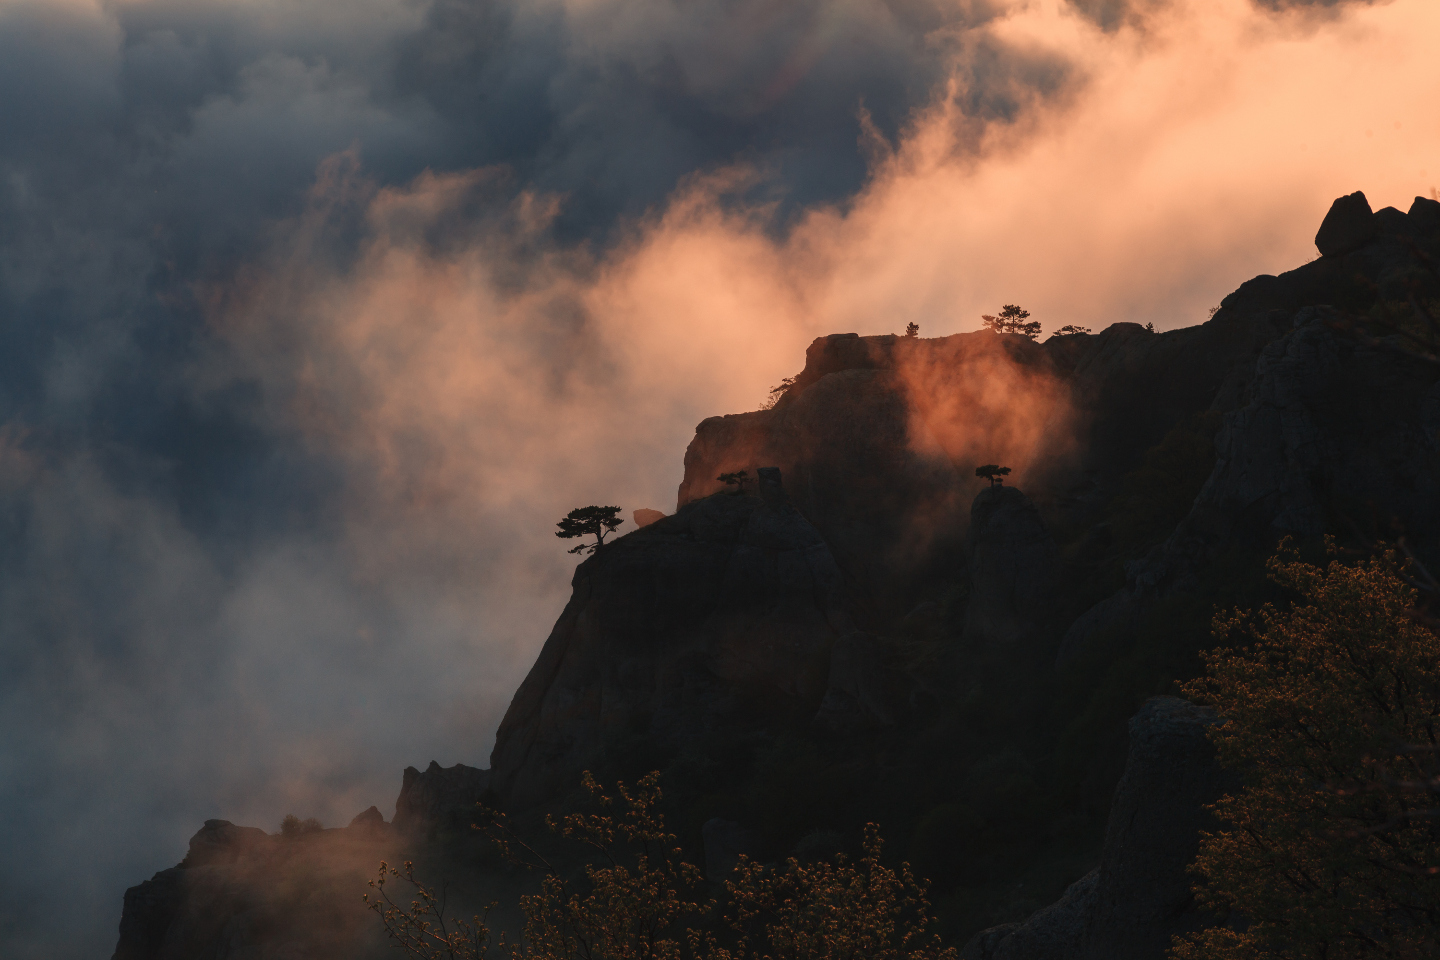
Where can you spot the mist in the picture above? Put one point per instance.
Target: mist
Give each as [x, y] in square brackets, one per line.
[319, 315]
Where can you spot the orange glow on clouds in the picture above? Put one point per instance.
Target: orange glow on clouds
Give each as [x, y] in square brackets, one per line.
[485, 388]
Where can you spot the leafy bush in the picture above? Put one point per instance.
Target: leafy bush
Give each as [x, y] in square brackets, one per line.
[1332, 718]
[638, 899]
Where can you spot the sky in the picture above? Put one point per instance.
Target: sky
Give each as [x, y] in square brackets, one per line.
[319, 313]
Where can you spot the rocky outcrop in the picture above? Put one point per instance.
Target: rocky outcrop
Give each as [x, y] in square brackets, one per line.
[439, 797]
[1348, 226]
[719, 618]
[243, 894]
[1139, 896]
[1013, 568]
[753, 634]
[1330, 433]
[645, 516]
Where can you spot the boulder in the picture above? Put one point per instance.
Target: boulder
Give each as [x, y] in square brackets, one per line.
[645, 516]
[1424, 213]
[1139, 897]
[1348, 226]
[369, 822]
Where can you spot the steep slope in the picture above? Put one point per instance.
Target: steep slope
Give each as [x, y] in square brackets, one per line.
[719, 618]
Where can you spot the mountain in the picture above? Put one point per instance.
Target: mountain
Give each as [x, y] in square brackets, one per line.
[874, 633]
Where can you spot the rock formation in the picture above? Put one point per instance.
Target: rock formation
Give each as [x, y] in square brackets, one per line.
[645, 516]
[243, 894]
[863, 640]
[1139, 896]
[1348, 226]
[1330, 433]
[1013, 568]
[439, 797]
[721, 617]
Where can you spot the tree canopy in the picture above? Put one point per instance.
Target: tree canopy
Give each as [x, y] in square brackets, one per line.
[589, 522]
[993, 472]
[1332, 718]
[637, 899]
[912, 329]
[1012, 319]
[736, 479]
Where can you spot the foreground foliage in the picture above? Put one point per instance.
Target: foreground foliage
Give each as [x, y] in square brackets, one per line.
[1331, 848]
[637, 899]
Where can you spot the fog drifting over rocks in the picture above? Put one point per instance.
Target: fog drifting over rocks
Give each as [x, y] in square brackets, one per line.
[319, 314]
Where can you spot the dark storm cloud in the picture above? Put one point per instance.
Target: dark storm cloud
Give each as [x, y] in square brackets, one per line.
[185, 634]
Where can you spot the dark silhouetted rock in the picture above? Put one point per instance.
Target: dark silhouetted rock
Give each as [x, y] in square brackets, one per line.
[725, 842]
[441, 796]
[369, 822]
[717, 620]
[645, 516]
[1348, 226]
[1425, 215]
[1333, 435]
[150, 909]
[1013, 566]
[220, 841]
[1139, 897]
[866, 690]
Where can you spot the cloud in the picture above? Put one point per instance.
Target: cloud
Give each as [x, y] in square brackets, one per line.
[282, 450]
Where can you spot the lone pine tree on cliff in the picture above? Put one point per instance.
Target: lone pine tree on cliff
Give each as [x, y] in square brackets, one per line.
[994, 473]
[589, 522]
[1012, 319]
[738, 479]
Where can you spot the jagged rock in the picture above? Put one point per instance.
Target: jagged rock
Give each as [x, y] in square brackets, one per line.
[1140, 896]
[1013, 567]
[1424, 213]
[220, 842]
[717, 620]
[1349, 225]
[1328, 434]
[725, 842]
[150, 908]
[645, 516]
[441, 796]
[369, 821]
[242, 894]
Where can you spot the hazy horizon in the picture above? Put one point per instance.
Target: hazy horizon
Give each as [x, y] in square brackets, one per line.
[321, 314]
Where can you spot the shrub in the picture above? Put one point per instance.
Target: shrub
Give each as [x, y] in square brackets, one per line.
[1332, 718]
[638, 898]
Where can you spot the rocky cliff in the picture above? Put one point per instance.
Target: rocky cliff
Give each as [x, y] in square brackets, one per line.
[1138, 897]
[875, 635]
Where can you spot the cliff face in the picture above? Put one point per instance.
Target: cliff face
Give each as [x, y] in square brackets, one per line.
[721, 617]
[1138, 898]
[874, 634]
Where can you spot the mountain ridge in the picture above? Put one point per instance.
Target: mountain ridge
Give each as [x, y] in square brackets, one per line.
[875, 633]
